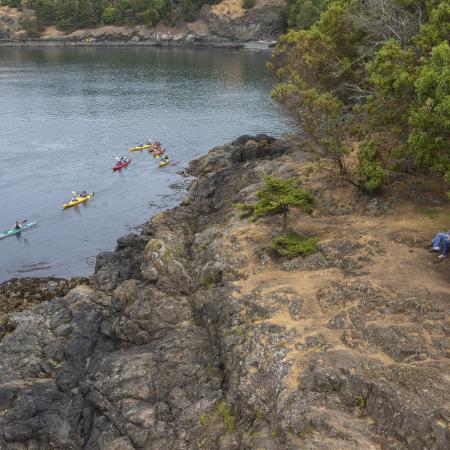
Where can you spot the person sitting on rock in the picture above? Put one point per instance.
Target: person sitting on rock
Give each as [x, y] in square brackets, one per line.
[439, 239]
[445, 246]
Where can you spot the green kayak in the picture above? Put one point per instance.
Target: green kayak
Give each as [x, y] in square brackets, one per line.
[13, 230]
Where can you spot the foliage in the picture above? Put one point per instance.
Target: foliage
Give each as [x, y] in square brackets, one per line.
[370, 171]
[204, 419]
[293, 244]
[429, 139]
[319, 116]
[277, 196]
[110, 14]
[225, 410]
[360, 401]
[383, 64]
[69, 15]
[208, 281]
[303, 13]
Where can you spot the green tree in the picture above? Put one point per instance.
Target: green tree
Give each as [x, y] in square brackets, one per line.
[369, 170]
[429, 139]
[320, 117]
[110, 15]
[304, 13]
[277, 196]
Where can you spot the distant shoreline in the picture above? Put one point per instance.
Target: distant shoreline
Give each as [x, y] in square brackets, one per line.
[259, 46]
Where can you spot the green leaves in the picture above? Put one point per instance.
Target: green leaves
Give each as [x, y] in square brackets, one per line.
[369, 170]
[69, 15]
[276, 196]
[110, 15]
[304, 13]
[429, 139]
[293, 244]
[383, 64]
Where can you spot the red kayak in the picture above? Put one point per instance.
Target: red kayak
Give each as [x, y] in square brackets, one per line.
[121, 165]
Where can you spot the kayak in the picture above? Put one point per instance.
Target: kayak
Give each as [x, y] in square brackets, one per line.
[139, 147]
[13, 231]
[121, 165]
[164, 163]
[78, 201]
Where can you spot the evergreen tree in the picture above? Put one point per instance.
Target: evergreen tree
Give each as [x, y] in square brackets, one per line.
[278, 196]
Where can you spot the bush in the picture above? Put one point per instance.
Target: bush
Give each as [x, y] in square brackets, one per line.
[293, 244]
[31, 27]
[369, 170]
[110, 15]
[225, 410]
[304, 13]
[150, 17]
[277, 196]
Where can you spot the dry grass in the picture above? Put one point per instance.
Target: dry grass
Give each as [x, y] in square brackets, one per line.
[397, 265]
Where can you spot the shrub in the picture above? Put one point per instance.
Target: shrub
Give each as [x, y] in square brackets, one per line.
[303, 13]
[277, 196]
[293, 244]
[32, 27]
[360, 401]
[110, 15]
[225, 410]
[369, 169]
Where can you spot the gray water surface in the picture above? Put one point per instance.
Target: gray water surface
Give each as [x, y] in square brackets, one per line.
[66, 113]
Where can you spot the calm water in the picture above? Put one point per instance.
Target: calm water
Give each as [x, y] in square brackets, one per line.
[66, 113]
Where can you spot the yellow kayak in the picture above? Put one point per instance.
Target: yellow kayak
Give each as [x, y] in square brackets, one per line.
[140, 147]
[164, 163]
[78, 200]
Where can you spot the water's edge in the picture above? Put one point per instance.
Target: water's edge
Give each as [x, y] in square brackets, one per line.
[254, 46]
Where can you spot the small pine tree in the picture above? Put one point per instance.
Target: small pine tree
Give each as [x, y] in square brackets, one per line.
[277, 196]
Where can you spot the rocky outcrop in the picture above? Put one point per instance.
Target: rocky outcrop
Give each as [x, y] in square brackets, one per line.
[192, 336]
[229, 20]
[11, 22]
[19, 294]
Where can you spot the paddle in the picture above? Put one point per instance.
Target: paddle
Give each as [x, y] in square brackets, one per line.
[24, 221]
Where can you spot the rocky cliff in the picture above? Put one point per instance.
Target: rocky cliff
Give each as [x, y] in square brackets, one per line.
[11, 22]
[224, 23]
[192, 335]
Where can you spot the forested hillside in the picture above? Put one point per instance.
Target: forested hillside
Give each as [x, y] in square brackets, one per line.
[368, 81]
[69, 15]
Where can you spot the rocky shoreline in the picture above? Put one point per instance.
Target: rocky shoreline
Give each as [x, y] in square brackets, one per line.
[259, 46]
[223, 25]
[192, 336]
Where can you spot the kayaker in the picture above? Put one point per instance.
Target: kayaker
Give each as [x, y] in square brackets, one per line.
[17, 226]
[83, 194]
